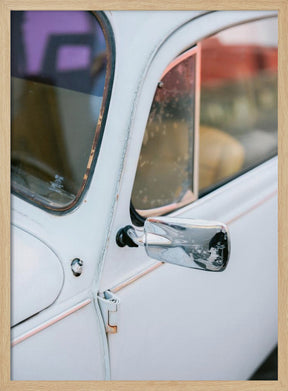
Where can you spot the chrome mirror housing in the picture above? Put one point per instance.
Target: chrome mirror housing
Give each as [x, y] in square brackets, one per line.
[196, 244]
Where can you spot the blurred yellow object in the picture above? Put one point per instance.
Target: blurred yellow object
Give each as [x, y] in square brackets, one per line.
[220, 156]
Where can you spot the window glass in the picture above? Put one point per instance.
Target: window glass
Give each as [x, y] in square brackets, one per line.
[238, 121]
[164, 178]
[58, 69]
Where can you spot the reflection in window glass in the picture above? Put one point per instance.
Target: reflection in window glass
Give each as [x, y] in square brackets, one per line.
[238, 121]
[58, 68]
[164, 178]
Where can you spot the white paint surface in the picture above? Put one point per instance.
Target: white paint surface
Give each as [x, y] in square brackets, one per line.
[36, 276]
[173, 323]
[70, 349]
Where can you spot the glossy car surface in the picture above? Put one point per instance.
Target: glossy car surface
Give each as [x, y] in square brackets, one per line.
[124, 115]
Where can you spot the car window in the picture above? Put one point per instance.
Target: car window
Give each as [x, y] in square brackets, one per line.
[238, 117]
[237, 123]
[164, 178]
[58, 67]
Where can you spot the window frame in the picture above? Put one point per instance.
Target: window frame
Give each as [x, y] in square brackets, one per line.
[137, 218]
[25, 193]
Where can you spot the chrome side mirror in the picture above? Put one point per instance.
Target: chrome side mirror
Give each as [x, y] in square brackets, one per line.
[197, 244]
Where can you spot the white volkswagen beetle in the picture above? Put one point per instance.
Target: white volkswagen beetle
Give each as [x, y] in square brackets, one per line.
[144, 194]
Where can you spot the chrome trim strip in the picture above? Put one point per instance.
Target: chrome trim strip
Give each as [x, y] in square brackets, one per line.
[188, 53]
[130, 280]
[134, 278]
[120, 286]
[50, 322]
[255, 206]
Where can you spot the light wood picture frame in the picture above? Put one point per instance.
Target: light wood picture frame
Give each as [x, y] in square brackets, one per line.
[6, 6]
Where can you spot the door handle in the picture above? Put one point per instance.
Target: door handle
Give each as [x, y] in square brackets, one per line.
[197, 244]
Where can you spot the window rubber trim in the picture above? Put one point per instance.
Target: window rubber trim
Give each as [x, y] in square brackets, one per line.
[99, 131]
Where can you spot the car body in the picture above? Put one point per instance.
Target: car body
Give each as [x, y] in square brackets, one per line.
[94, 310]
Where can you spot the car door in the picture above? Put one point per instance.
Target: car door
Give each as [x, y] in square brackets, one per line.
[176, 323]
[62, 70]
